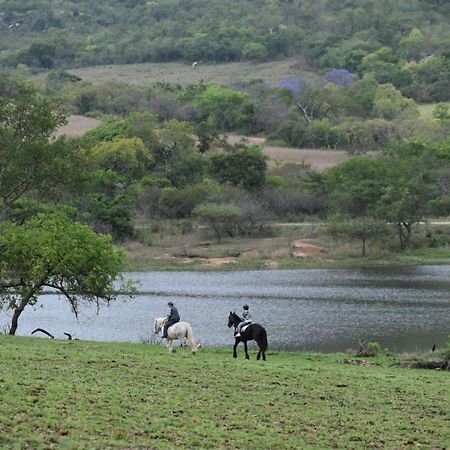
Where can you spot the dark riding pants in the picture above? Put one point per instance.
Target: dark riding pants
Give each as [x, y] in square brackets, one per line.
[167, 325]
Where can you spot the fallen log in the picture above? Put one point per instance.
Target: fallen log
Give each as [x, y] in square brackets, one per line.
[43, 331]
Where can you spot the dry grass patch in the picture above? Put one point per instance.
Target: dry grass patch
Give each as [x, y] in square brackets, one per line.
[77, 126]
[183, 73]
[318, 159]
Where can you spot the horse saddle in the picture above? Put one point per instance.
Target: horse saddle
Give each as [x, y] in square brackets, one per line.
[244, 328]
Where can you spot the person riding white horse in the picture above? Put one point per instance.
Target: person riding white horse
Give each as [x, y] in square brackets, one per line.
[178, 330]
[172, 318]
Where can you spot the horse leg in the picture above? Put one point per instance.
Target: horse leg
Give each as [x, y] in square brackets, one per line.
[246, 351]
[261, 351]
[169, 346]
[236, 342]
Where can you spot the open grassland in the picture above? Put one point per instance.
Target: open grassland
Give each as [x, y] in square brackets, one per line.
[86, 395]
[225, 73]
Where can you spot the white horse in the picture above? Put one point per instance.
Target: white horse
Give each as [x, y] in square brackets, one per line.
[179, 330]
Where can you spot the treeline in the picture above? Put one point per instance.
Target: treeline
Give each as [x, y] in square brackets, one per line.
[339, 112]
[401, 42]
[140, 170]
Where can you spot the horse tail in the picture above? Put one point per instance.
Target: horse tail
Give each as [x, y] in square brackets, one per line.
[264, 343]
[190, 338]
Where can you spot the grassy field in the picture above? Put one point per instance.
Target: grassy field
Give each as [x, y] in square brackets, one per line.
[86, 395]
[225, 73]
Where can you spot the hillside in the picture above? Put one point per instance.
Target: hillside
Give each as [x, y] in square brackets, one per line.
[400, 41]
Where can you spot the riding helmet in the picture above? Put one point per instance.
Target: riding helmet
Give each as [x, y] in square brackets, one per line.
[245, 307]
[170, 304]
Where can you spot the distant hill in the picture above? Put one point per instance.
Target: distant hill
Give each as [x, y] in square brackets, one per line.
[87, 32]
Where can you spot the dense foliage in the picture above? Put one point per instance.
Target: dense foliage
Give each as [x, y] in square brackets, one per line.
[403, 42]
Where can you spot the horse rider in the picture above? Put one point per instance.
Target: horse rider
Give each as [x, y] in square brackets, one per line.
[172, 317]
[246, 319]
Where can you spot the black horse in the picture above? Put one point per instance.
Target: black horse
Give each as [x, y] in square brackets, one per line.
[253, 332]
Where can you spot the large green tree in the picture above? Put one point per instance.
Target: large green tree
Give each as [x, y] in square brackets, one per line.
[27, 156]
[52, 251]
[245, 168]
[225, 108]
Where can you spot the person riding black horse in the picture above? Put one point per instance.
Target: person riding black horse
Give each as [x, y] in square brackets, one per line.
[172, 318]
[254, 331]
[246, 319]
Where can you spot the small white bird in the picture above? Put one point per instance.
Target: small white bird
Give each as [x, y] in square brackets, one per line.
[194, 64]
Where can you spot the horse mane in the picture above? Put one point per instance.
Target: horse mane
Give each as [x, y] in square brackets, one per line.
[237, 315]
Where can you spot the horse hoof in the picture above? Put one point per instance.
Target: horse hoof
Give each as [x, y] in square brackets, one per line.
[234, 356]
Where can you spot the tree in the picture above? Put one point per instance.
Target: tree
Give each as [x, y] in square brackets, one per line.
[404, 204]
[441, 111]
[255, 51]
[363, 228]
[129, 157]
[51, 251]
[356, 185]
[245, 168]
[390, 104]
[221, 218]
[225, 108]
[27, 122]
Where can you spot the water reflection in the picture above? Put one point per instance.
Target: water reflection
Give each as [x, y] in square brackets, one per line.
[404, 309]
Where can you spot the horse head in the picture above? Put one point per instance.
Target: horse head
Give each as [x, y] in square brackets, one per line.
[159, 323]
[233, 319]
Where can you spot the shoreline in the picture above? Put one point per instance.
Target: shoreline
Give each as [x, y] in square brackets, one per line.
[282, 264]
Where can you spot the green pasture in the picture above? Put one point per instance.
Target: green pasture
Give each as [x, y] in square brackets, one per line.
[86, 395]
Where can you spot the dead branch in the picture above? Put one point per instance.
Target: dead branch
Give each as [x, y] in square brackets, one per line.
[43, 331]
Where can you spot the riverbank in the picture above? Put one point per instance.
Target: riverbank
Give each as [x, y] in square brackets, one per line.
[181, 246]
[79, 394]
[298, 246]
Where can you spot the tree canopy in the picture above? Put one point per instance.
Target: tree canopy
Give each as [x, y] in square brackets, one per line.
[51, 251]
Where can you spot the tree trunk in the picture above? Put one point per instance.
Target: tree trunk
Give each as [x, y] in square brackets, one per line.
[17, 312]
[364, 247]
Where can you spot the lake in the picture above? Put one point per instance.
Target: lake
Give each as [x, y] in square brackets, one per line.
[324, 310]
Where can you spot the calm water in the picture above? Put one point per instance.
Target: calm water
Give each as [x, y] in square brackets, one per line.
[404, 309]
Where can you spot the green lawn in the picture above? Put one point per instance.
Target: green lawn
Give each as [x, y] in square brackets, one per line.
[86, 395]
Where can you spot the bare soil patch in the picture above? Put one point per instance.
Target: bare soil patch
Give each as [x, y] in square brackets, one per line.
[301, 248]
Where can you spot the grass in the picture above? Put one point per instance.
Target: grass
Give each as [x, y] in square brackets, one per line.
[87, 395]
[179, 73]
